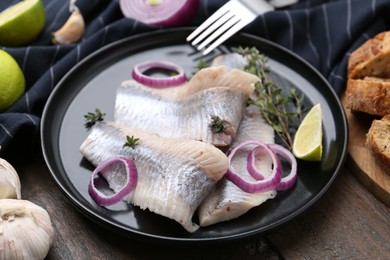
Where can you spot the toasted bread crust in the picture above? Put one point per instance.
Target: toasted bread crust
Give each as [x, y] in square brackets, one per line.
[369, 95]
[372, 58]
[378, 140]
[368, 91]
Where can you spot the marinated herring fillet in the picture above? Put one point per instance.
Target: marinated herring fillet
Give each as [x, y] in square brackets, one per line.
[206, 78]
[231, 60]
[174, 175]
[227, 201]
[187, 111]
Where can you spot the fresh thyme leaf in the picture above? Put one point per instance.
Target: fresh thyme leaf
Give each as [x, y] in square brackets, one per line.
[92, 118]
[217, 125]
[131, 141]
[283, 112]
[201, 65]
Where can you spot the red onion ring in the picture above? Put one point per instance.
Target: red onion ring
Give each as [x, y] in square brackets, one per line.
[288, 181]
[139, 69]
[251, 167]
[131, 181]
[167, 13]
[264, 185]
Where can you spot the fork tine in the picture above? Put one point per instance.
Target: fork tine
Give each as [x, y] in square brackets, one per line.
[238, 26]
[221, 11]
[224, 28]
[223, 19]
[226, 21]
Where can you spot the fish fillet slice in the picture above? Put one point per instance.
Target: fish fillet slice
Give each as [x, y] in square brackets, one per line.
[174, 175]
[186, 111]
[211, 77]
[227, 201]
[186, 118]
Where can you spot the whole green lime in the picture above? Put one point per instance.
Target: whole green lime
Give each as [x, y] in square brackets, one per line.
[21, 23]
[12, 82]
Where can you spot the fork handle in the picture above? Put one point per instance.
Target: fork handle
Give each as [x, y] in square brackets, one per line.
[282, 3]
[258, 6]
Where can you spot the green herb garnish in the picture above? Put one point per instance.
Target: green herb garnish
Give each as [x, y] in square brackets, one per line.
[92, 118]
[131, 141]
[282, 111]
[201, 65]
[217, 125]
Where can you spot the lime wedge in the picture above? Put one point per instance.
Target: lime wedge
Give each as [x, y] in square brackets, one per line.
[307, 143]
[21, 23]
[12, 82]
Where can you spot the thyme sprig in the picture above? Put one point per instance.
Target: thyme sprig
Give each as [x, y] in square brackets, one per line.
[92, 118]
[217, 125]
[131, 141]
[201, 65]
[282, 111]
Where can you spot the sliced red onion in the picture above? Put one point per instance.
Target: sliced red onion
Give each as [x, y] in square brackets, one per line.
[251, 167]
[175, 80]
[167, 13]
[131, 181]
[264, 185]
[289, 180]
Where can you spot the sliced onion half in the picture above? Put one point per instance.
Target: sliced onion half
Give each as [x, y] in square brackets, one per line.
[264, 184]
[139, 70]
[130, 184]
[167, 13]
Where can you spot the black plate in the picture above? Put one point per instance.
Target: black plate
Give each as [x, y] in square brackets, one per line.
[92, 84]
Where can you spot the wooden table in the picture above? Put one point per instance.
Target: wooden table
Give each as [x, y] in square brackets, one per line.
[347, 223]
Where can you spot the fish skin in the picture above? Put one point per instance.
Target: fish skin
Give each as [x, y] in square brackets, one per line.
[227, 201]
[174, 175]
[206, 78]
[221, 76]
[185, 118]
[186, 111]
[230, 60]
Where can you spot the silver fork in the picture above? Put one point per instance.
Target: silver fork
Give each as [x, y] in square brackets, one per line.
[229, 19]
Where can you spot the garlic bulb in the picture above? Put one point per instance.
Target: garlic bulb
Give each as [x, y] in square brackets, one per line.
[26, 231]
[9, 181]
[72, 30]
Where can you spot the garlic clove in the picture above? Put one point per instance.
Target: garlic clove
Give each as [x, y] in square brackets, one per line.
[10, 187]
[71, 31]
[26, 231]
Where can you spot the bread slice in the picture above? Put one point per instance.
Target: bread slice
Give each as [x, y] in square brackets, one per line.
[369, 95]
[372, 58]
[378, 140]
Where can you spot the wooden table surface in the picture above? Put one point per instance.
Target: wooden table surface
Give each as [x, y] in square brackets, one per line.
[348, 222]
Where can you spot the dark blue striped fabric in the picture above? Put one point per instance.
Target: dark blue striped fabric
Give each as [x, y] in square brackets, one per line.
[324, 32]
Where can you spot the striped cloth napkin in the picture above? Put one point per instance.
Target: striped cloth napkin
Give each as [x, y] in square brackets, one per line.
[324, 32]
